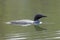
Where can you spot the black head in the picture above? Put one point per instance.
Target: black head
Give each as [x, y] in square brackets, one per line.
[38, 16]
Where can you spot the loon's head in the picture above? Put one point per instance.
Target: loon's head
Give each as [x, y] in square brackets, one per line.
[38, 16]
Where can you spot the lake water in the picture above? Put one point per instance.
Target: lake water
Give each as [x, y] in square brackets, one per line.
[26, 9]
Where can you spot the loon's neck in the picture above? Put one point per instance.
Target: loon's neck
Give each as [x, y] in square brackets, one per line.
[36, 22]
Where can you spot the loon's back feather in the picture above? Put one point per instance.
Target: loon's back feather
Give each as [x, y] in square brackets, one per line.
[24, 21]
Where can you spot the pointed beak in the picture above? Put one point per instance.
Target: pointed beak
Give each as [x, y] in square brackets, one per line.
[44, 16]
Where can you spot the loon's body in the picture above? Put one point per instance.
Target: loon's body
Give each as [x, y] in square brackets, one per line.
[26, 22]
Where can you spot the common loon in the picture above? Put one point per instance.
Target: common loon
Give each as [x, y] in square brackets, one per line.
[27, 22]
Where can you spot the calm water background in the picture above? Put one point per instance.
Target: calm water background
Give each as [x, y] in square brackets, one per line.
[26, 9]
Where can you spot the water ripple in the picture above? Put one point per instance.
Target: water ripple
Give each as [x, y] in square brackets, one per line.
[33, 36]
[16, 36]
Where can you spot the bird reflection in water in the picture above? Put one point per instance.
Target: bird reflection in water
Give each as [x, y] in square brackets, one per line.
[38, 28]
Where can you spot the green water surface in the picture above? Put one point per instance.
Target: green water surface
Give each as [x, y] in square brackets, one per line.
[26, 9]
